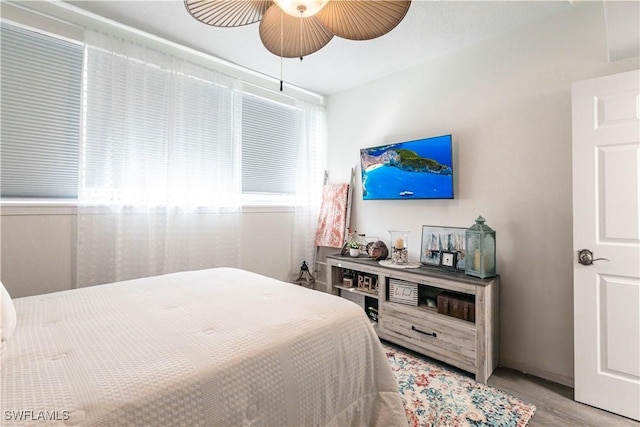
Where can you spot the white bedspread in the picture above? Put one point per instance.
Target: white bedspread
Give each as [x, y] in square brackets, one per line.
[219, 347]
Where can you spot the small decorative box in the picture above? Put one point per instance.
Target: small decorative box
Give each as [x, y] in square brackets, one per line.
[403, 292]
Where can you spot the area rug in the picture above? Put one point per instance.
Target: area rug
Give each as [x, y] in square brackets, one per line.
[436, 397]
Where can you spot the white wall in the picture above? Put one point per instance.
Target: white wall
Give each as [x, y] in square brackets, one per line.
[37, 253]
[38, 250]
[507, 103]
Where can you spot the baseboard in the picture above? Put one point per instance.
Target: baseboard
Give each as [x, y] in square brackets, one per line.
[541, 373]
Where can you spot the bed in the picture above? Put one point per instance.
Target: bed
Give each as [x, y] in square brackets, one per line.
[217, 347]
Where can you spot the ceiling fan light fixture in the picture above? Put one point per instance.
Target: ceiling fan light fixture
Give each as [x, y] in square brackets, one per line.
[286, 34]
[227, 13]
[301, 8]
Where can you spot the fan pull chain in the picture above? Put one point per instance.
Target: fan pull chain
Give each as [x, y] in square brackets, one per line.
[301, 12]
[281, 44]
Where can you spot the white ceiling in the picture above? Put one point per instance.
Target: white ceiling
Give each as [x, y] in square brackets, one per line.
[430, 29]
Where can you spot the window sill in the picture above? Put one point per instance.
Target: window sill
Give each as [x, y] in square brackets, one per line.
[38, 207]
[10, 207]
[266, 209]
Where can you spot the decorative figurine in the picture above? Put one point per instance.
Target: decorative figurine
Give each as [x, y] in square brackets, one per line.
[377, 250]
[305, 278]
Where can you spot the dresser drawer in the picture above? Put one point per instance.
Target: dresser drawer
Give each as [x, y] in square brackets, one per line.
[447, 339]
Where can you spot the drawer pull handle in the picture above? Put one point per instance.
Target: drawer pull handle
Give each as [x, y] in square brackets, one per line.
[433, 334]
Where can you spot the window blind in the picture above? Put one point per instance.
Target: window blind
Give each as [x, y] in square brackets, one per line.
[40, 114]
[269, 146]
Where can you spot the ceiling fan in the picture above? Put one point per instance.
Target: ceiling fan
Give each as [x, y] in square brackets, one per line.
[297, 28]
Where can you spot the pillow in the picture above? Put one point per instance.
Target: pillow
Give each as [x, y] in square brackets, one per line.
[8, 314]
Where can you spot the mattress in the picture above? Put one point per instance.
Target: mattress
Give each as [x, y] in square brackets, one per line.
[217, 347]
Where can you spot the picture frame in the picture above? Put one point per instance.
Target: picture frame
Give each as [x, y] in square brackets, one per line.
[448, 260]
[436, 239]
[403, 292]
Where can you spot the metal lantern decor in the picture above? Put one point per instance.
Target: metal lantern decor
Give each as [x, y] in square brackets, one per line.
[480, 247]
[305, 278]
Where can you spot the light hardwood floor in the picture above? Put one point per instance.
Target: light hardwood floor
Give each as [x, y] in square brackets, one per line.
[554, 402]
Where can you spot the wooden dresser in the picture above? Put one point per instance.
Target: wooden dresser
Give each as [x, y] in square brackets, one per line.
[469, 345]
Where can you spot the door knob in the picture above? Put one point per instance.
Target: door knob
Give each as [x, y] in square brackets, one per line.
[585, 257]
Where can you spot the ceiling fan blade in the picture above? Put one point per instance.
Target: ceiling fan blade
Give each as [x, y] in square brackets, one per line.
[227, 13]
[314, 35]
[362, 19]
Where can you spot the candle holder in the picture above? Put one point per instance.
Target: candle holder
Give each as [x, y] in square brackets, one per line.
[399, 247]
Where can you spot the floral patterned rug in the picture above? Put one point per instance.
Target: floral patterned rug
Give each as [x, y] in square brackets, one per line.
[436, 397]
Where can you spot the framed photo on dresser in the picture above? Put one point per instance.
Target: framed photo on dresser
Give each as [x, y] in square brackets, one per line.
[437, 239]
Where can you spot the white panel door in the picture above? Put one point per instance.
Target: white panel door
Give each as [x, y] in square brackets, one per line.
[606, 228]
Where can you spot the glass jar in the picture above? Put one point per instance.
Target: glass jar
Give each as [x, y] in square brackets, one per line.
[399, 247]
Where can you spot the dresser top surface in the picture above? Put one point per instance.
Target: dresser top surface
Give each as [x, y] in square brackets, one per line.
[423, 270]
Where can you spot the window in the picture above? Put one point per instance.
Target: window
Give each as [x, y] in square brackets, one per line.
[269, 146]
[40, 114]
[43, 103]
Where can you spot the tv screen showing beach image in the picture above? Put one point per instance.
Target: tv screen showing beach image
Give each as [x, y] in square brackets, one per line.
[419, 169]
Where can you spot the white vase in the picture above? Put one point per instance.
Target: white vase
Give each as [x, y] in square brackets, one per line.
[354, 252]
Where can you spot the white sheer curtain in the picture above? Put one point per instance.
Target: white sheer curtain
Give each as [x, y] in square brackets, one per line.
[160, 176]
[309, 175]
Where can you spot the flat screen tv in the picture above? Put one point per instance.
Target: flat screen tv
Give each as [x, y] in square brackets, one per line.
[419, 169]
